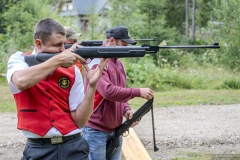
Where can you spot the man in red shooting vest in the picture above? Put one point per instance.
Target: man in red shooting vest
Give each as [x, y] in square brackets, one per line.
[50, 100]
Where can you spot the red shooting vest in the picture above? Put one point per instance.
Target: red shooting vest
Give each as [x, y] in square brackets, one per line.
[49, 107]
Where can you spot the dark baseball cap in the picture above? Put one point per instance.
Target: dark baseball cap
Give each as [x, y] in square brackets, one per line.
[120, 32]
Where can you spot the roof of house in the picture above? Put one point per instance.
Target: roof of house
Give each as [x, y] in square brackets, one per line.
[85, 7]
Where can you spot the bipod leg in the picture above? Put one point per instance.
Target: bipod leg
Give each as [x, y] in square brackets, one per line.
[154, 141]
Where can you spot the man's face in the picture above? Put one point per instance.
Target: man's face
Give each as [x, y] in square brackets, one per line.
[115, 42]
[71, 41]
[54, 45]
[119, 42]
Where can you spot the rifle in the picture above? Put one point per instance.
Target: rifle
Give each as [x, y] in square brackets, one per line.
[112, 52]
[113, 142]
[87, 43]
[100, 42]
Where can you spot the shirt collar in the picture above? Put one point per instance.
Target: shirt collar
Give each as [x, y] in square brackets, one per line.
[34, 52]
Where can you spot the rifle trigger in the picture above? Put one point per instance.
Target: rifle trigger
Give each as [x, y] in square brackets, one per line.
[125, 134]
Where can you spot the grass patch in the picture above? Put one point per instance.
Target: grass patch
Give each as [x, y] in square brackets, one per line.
[206, 156]
[194, 156]
[191, 97]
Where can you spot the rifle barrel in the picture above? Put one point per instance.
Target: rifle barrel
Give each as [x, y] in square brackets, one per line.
[152, 39]
[215, 45]
[189, 47]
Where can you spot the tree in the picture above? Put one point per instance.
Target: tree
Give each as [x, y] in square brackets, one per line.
[203, 12]
[226, 30]
[18, 19]
[5, 4]
[144, 19]
[175, 14]
[19, 22]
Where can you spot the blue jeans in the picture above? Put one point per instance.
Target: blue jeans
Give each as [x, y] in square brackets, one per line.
[97, 141]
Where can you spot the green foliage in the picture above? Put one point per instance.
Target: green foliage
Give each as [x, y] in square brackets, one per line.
[144, 19]
[96, 25]
[3, 80]
[143, 73]
[226, 30]
[175, 14]
[184, 72]
[19, 21]
[231, 83]
[203, 12]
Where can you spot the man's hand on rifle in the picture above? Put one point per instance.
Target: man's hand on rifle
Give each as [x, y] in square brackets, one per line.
[129, 115]
[146, 93]
[67, 58]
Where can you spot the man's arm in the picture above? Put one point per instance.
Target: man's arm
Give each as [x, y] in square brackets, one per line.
[112, 92]
[83, 112]
[30, 76]
[26, 78]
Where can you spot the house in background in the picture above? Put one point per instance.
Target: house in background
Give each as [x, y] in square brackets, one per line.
[82, 9]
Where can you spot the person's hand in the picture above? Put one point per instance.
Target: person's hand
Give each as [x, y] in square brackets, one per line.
[67, 58]
[95, 74]
[129, 115]
[146, 93]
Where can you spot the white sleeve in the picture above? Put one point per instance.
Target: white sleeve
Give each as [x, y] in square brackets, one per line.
[93, 62]
[15, 63]
[77, 91]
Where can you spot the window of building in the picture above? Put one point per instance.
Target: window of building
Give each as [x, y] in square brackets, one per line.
[67, 7]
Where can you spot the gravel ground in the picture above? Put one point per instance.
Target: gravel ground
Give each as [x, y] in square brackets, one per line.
[181, 132]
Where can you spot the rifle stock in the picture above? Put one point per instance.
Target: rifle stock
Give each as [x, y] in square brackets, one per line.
[112, 52]
[113, 142]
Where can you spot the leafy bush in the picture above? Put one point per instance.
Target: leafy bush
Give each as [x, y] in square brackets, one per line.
[187, 74]
[231, 84]
[226, 30]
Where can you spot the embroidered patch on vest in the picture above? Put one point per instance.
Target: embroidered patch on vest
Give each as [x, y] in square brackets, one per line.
[64, 82]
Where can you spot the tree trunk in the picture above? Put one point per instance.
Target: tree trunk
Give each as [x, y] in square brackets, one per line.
[193, 20]
[187, 18]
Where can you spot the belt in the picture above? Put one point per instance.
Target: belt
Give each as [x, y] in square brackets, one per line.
[54, 140]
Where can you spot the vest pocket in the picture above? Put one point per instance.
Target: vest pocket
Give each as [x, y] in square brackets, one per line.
[28, 110]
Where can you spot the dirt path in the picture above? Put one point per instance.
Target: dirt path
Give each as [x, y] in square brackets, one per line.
[181, 132]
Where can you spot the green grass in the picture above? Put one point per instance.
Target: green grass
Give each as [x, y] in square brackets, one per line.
[191, 97]
[205, 156]
[194, 156]
[161, 99]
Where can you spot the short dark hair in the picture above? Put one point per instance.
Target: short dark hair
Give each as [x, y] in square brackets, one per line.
[46, 27]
